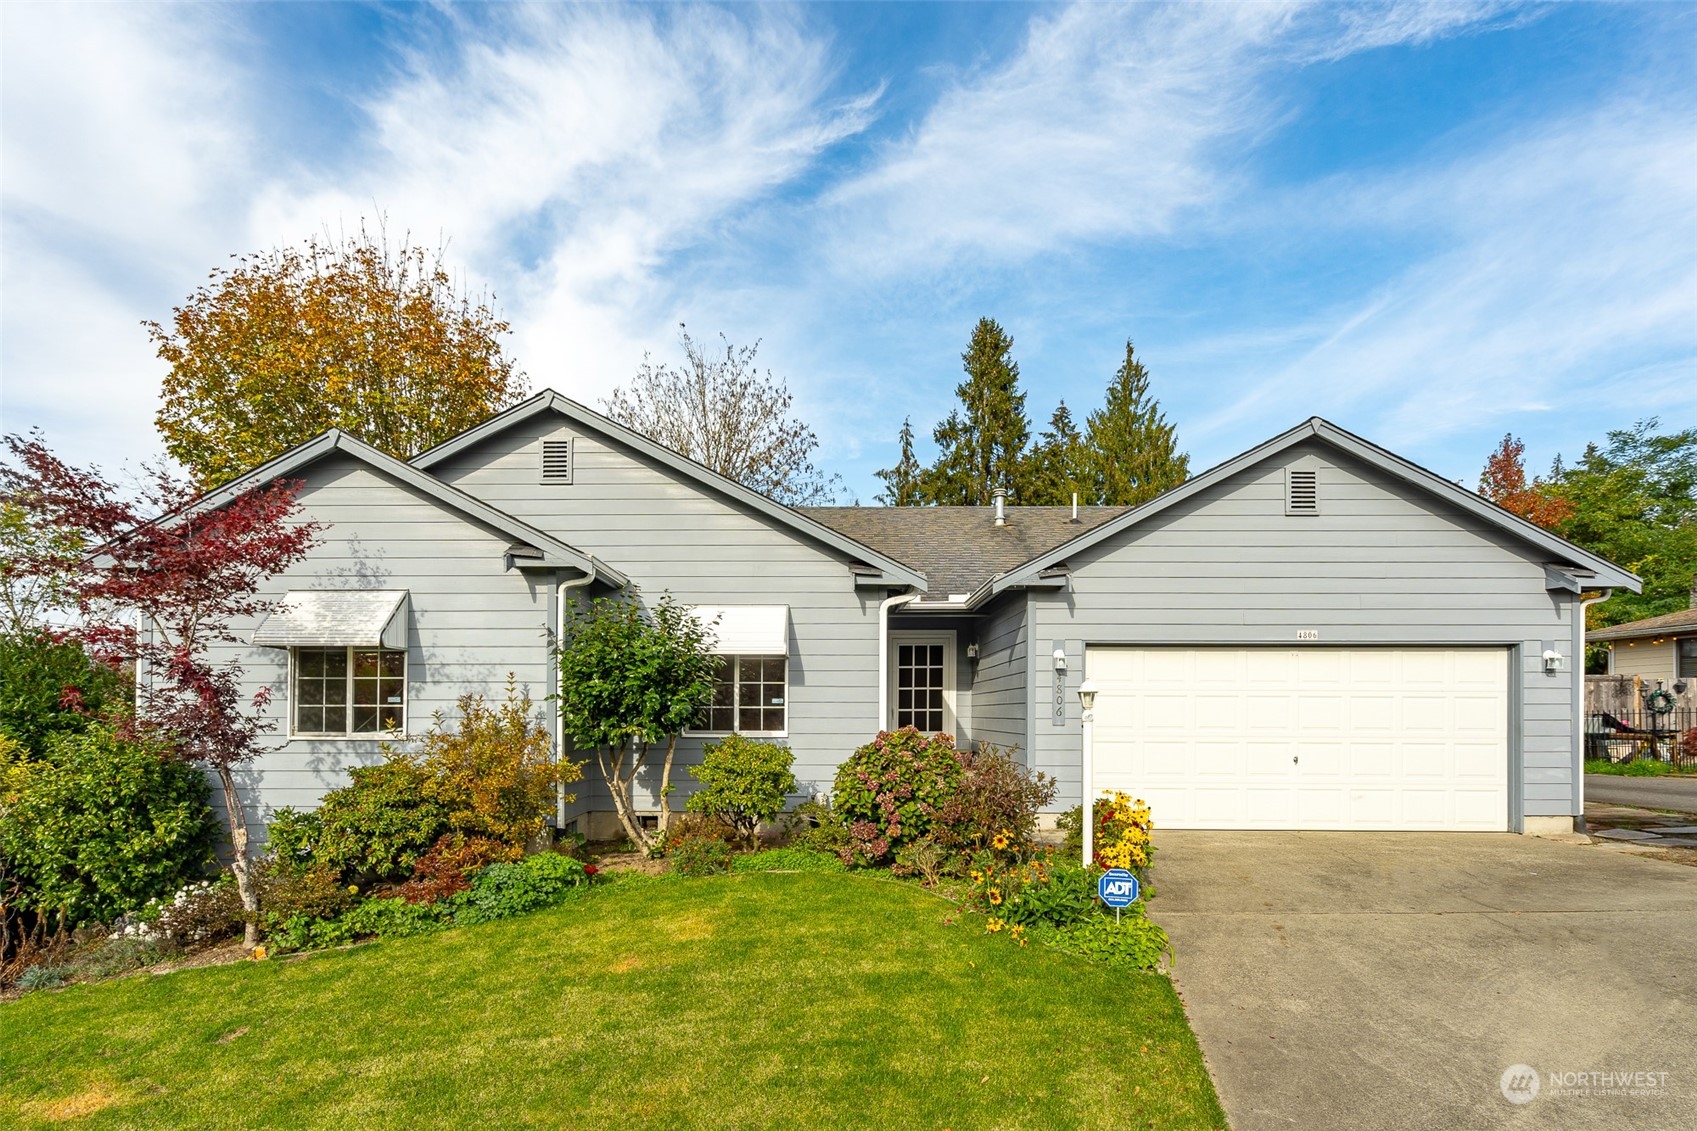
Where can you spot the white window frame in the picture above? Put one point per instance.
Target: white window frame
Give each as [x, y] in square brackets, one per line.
[736, 685]
[351, 736]
[951, 721]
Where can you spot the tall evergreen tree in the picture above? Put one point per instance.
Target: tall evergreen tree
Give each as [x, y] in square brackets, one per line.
[901, 482]
[1060, 465]
[983, 442]
[1132, 446]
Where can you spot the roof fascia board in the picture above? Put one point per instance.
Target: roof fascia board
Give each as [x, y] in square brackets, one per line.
[549, 400]
[1608, 575]
[555, 552]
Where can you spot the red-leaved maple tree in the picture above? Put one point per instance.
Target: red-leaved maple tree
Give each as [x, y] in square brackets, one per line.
[158, 579]
[1504, 483]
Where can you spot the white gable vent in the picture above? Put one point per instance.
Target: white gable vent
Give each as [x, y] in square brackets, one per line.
[556, 461]
[1302, 491]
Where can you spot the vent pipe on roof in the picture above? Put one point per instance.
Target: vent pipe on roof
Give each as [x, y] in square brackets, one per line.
[999, 497]
[1075, 506]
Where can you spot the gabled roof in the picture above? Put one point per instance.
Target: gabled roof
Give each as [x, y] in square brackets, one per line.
[1649, 626]
[1607, 574]
[895, 572]
[554, 552]
[961, 549]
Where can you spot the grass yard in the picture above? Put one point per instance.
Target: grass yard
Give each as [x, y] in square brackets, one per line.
[757, 1000]
[1637, 768]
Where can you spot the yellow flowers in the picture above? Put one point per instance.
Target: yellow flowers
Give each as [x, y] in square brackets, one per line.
[1001, 840]
[259, 953]
[1123, 827]
[995, 925]
[996, 897]
[1017, 934]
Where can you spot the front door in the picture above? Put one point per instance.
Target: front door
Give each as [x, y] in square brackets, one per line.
[922, 681]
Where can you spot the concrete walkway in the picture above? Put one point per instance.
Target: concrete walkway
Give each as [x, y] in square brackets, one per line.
[1676, 793]
[1387, 980]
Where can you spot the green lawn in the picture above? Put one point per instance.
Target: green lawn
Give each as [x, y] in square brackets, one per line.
[1637, 768]
[761, 1000]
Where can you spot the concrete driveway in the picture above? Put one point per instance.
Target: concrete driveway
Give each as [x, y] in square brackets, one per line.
[1676, 793]
[1387, 980]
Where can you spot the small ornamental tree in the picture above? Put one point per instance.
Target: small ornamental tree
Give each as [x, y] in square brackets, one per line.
[745, 783]
[165, 578]
[630, 680]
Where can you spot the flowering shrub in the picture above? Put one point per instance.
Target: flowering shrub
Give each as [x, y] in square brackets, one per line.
[198, 914]
[1041, 889]
[994, 808]
[890, 791]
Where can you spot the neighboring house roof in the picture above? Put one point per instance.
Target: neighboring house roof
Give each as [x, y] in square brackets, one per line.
[1649, 626]
[895, 571]
[554, 552]
[961, 549]
[1600, 572]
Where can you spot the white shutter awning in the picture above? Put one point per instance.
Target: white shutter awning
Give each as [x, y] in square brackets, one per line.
[746, 630]
[336, 618]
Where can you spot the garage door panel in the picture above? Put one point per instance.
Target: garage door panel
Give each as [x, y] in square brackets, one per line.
[1380, 738]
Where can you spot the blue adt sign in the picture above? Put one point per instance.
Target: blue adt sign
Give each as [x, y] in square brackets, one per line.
[1117, 887]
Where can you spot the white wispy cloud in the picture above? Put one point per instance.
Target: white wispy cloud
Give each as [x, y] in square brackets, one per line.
[1560, 275]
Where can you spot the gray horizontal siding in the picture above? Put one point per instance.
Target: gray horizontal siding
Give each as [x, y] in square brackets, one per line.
[668, 533]
[471, 621]
[1378, 565]
[1001, 695]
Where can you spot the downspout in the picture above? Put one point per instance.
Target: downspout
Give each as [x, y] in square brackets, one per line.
[583, 582]
[884, 654]
[1579, 702]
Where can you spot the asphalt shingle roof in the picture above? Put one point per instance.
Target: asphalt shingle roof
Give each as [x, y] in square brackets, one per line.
[1649, 626]
[960, 548]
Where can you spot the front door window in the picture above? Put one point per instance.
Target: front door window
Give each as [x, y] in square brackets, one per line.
[920, 674]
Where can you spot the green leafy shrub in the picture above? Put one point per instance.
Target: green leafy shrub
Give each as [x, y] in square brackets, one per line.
[376, 827]
[291, 839]
[745, 782]
[101, 824]
[889, 791]
[501, 891]
[924, 858]
[50, 688]
[994, 808]
[1133, 942]
[790, 859]
[44, 977]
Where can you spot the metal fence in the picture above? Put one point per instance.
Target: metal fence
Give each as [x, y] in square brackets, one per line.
[1668, 736]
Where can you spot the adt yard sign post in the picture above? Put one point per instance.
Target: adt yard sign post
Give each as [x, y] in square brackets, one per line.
[1117, 888]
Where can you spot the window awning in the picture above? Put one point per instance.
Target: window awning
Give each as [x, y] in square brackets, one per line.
[746, 630]
[336, 618]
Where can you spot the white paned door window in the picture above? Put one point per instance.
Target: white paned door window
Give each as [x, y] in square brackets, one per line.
[922, 681]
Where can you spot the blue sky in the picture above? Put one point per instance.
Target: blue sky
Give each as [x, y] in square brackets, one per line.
[1430, 224]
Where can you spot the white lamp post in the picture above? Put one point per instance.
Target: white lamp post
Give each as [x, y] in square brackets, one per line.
[1087, 700]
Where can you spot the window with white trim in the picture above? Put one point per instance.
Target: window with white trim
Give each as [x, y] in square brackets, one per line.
[343, 691]
[920, 680]
[750, 696]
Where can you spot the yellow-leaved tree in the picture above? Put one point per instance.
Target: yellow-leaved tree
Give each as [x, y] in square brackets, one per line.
[351, 333]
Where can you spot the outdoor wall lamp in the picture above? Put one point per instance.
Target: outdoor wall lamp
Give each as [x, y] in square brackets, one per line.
[1087, 695]
[1060, 659]
[1552, 661]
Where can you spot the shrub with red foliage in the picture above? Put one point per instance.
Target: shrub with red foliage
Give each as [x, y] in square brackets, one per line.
[447, 868]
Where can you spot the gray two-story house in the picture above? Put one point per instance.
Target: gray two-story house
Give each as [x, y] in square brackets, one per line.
[1313, 635]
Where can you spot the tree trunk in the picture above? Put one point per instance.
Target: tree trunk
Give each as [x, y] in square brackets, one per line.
[666, 784]
[239, 863]
[613, 772]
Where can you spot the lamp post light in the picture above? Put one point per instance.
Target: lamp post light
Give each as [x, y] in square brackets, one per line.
[1087, 700]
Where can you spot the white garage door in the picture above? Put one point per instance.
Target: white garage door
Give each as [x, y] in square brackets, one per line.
[1322, 738]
